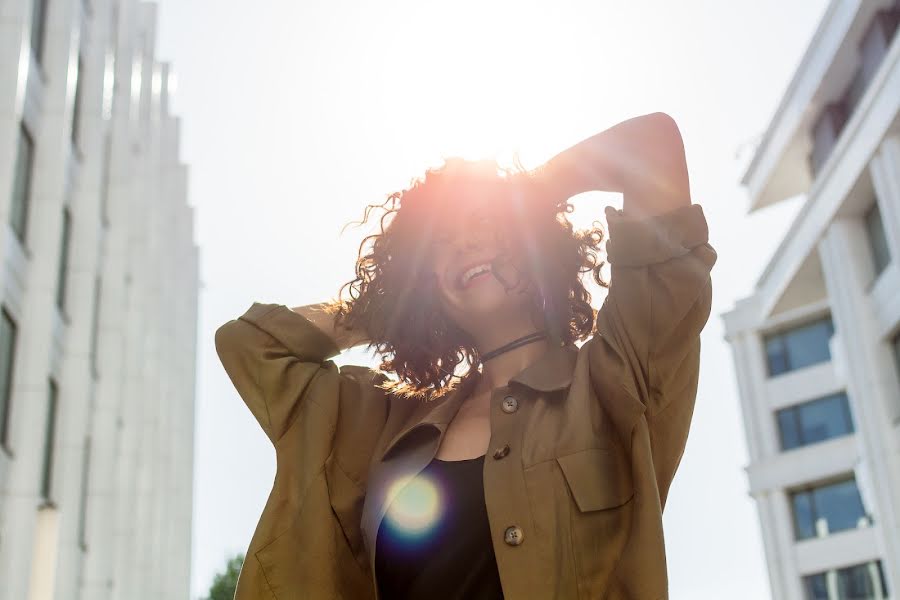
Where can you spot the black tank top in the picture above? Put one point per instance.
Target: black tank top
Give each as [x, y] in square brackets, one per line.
[434, 542]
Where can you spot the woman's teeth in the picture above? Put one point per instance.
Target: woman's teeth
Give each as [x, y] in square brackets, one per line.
[470, 274]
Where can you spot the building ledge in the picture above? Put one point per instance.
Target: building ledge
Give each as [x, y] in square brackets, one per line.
[801, 466]
[842, 548]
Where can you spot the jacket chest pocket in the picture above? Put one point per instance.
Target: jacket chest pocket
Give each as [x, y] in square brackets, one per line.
[598, 478]
[601, 492]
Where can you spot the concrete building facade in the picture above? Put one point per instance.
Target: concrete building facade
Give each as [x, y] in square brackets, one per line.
[98, 308]
[817, 345]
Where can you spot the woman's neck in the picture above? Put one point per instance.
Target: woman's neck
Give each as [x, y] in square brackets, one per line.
[497, 371]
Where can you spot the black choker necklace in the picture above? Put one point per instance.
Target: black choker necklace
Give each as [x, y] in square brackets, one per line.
[527, 339]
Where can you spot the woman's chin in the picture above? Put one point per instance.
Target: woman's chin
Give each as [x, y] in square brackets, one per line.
[488, 305]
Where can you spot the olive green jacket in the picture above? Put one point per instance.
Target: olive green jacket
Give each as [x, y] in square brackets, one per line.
[584, 442]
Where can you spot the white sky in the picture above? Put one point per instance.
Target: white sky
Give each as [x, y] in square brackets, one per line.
[298, 114]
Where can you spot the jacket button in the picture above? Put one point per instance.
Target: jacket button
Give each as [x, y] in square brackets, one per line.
[501, 451]
[513, 535]
[510, 404]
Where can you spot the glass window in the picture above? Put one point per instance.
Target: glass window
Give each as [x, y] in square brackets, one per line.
[857, 582]
[76, 111]
[21, 193]
[816, 587]
[789, 428]
[826, 509]
[85, 475]
[799, 347]
[63, 268]
[804, 516]
[814, 421]
[8, 335]
[38, 23]
[49, 441]
[896, 345]
[95, 325]
[881, 256]
[825, 133]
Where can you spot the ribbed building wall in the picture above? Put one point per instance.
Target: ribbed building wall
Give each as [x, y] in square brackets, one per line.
[98, 506]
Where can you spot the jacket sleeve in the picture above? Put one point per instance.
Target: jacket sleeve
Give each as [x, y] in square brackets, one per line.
[659, 300]
[272, 356]
[326, 417]
[277, 359]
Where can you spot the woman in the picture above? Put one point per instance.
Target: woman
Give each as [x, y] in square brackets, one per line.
[489, 456]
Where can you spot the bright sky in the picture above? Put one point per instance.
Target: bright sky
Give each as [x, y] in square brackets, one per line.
[298, 114]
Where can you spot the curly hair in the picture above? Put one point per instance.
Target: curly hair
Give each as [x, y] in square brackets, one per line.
[393, 297]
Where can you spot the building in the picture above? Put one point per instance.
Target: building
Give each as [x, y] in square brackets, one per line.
[817, 345]
[98, 308]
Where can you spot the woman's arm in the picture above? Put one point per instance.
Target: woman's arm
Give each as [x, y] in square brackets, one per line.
[642, 157]
[344, 338]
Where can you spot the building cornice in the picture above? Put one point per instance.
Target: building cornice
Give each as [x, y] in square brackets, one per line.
[789, 114]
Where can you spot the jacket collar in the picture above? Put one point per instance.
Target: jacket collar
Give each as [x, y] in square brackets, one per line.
[551, 372]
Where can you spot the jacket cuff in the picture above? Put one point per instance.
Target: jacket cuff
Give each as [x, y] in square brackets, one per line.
[294, 331]
[636, 242]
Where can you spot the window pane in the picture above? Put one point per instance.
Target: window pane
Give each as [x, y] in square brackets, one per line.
[76, 111]
[862, 582]
[816, 587]
[881, 256]
[63, 268]
[808, 345]
[839, 504]
[49, 439]
[38, 22]
[787, 426]
[825, 133]
[21, 192]
[7, 360]
[824, 419]
[85, 475]
[775, 355]
[799, 347]
[896, 345]
[804, 519]
[857, 582]
[95, 324]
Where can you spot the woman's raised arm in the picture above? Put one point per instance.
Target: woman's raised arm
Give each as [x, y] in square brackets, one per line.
[642, 157]
[319, 316]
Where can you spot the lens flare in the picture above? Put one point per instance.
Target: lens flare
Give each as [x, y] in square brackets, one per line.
[416, 506]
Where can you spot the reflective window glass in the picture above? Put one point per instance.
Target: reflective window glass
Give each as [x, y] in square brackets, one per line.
[826, 509]
[839, 504]
[799, 347]
[824, 418]
[878, 245]
[7, 360]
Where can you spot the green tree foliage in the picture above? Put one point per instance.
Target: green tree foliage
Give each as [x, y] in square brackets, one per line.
[224, 583]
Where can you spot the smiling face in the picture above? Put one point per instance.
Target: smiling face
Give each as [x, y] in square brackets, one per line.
[478, 282]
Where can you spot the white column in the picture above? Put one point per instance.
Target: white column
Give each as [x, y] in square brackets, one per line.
[111, 431]
[762, 443]
[783, 524]
[77, 383]
[843, 251]
[778, 556]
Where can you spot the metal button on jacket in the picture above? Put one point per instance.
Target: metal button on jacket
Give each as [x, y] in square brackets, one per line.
[501, 451]
[510, 404]
[513, 535]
